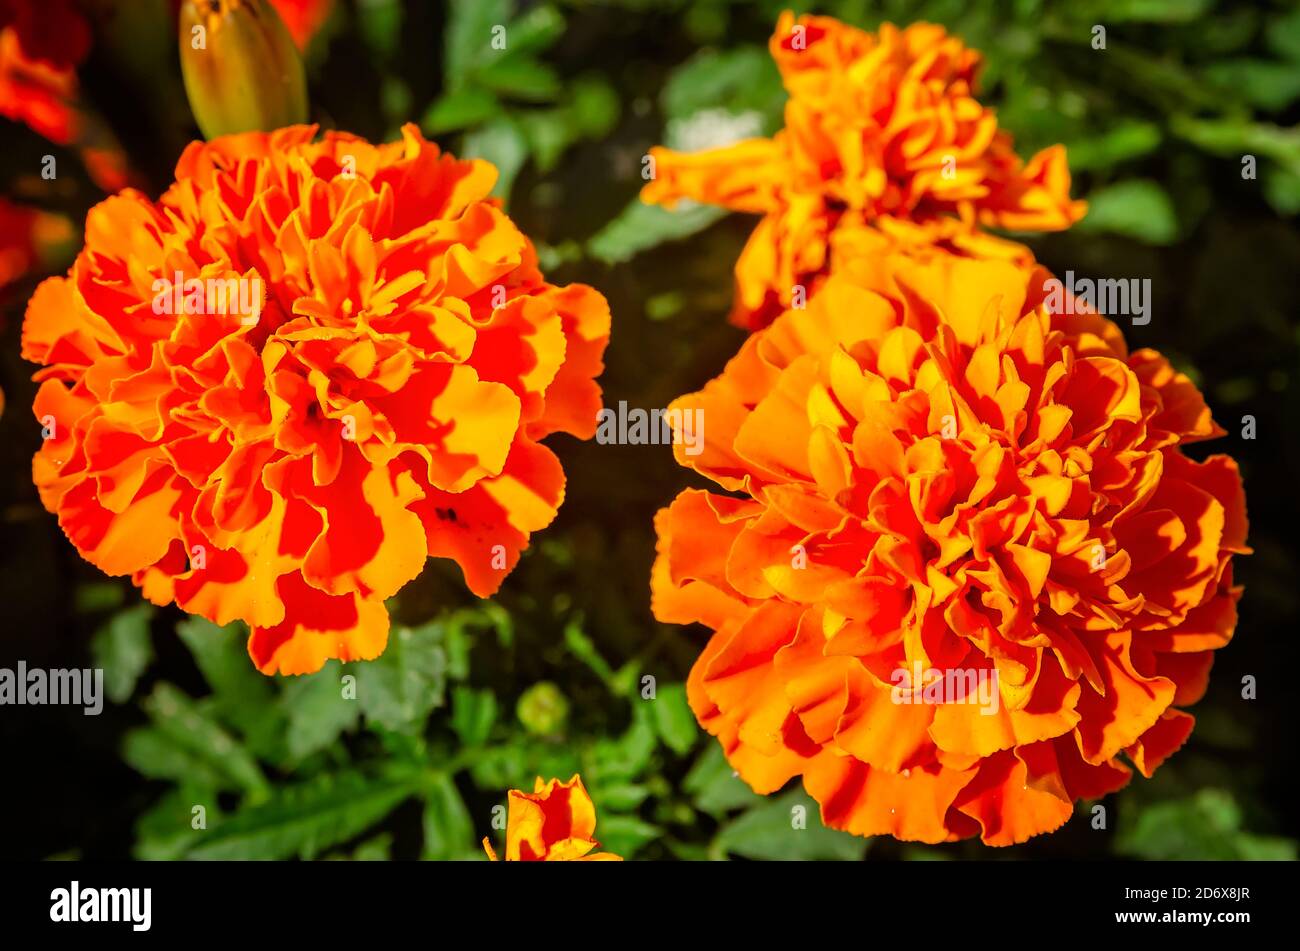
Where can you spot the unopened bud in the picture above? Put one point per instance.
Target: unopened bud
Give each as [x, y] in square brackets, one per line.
[241, 67]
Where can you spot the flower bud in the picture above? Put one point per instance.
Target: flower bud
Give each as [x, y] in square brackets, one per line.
[543, 709]
[242, 71]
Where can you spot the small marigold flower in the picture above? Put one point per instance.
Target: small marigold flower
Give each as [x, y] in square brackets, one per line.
[553, 823]
[53, 32]
[932, 473]
[308, 367]
[877, 125]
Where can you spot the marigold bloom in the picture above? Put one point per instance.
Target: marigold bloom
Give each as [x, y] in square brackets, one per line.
[554, 823]
[36, 93]
[931, 469]
[384, 401]
[877, 125]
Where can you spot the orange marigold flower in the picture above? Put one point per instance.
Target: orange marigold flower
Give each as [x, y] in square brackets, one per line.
[935, 475]
[53, 32]
[554, 823]
[305, 369]
[877, 125]
[36, 93]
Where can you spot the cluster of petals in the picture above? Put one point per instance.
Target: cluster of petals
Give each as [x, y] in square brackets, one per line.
[877, 125]
[934, 467]
[384, 402]
[553, 823]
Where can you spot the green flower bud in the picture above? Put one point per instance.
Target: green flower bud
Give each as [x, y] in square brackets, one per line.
[543, 709]
[242, 71]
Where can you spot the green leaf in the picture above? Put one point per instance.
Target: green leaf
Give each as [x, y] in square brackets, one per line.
[153, 754]
[468, 36]
[165, 831]
[582, 647]
[1204, 826]
[1128, 140]
[378, 849]
[193, 730]
[1283, 35]
[503, 144]
[448, 828]
[1282, 189]
[98, 596]
[380, 24]
[673, 718]
[715, 786]
[629, 755]
[401, 687]
[1137, 209]
[640, 227]
[1267, 85]
[461, 109]
[473, 712]
[317, 712]
[624, 835]
[737, 80]
[519, 77]
[535, 30]
[305, 819]
[787, 828]
[1151, 11]
[223, 660]
[122, 647]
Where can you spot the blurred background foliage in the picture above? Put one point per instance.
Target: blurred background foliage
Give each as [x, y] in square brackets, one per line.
[550, 678]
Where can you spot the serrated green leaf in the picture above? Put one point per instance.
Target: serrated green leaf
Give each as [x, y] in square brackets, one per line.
[123, 648]
[473, 712]
[317, 711]
[448, 828]
[195, 731]
[153, 754]
[673, 718]
[401, 687]
[787, 828]
[306, 819]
